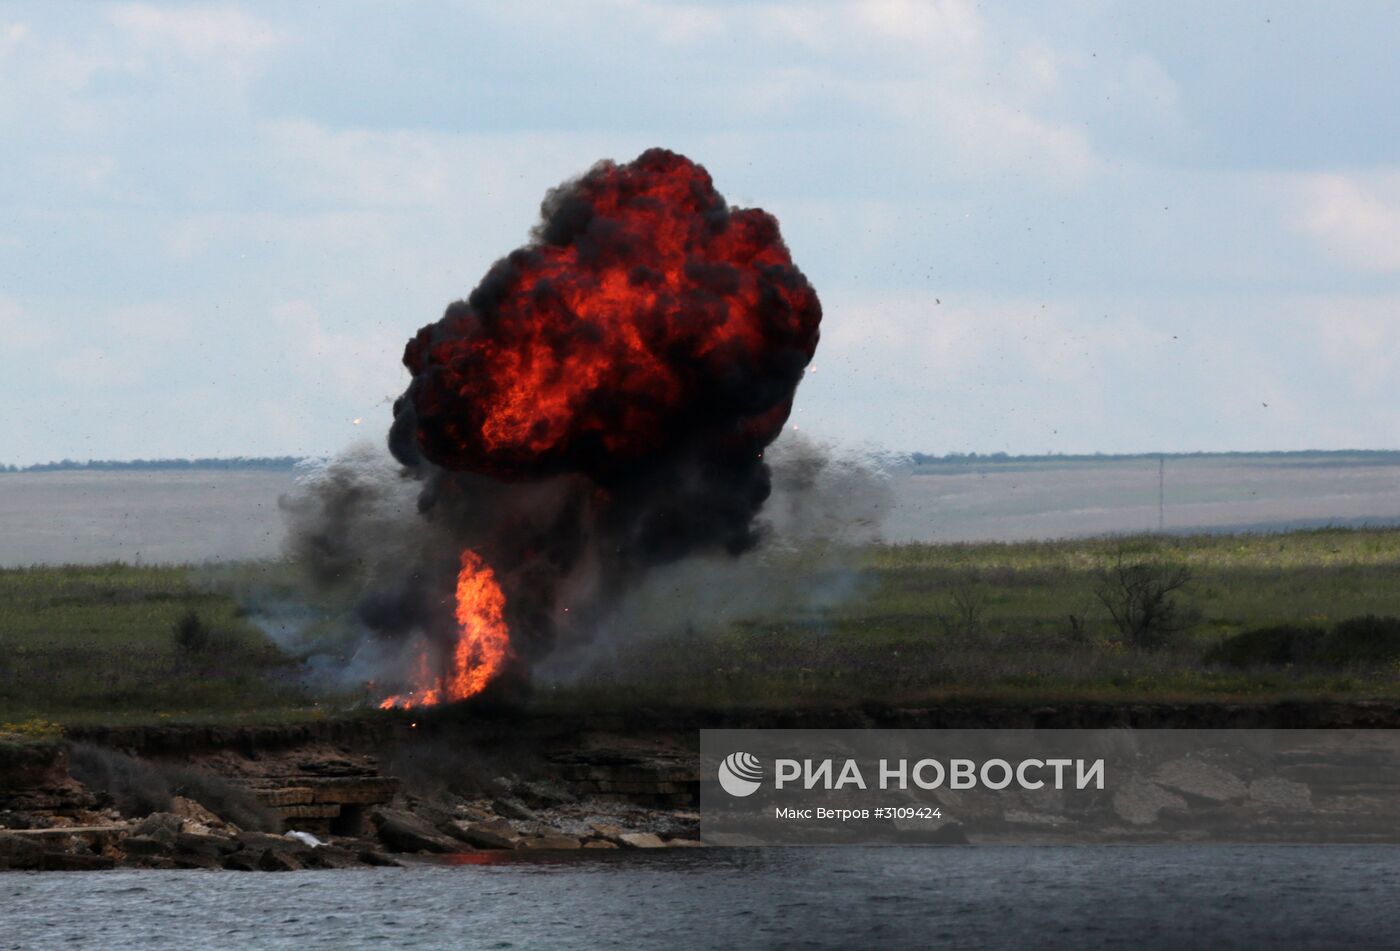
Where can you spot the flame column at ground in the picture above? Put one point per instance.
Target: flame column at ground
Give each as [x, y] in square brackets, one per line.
[483, 641]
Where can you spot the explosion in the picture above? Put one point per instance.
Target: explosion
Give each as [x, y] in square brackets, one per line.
[600, 404]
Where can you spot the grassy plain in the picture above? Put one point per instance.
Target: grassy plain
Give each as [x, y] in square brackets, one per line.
[1022, 621]
[1015, 621]
[95, 643]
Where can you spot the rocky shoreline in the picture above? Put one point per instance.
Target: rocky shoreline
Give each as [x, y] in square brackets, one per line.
[323, 805]
[379, 790]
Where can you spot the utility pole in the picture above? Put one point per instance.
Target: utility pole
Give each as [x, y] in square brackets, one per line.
[1161, 494]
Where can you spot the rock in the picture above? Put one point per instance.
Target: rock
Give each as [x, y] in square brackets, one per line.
[276, 860]
[260, 841]
[1139, 801]
[315, 810]
[213, 846]
[330, 856]
[195, 860]
[551, 843]
[378, 859]
[37, 785]
[354, 790]
[286, 796]
[641, 840]
[160, 825]
[484, 835]
[193, 812]
[19, 852]
[75, 862]
[599, 844]
[1275, 792]
[541, 795]
[604, 830]
[684, 844]
[1195, 777]
[431, 813]
[512, 809]
[145, 846]
[245, 861]
[405, 832]
[475, 814]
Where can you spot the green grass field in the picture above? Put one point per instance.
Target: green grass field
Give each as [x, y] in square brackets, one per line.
[96, 644]
[1037, 630]
[917, 623]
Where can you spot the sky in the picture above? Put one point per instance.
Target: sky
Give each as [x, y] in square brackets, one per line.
[1086, 226]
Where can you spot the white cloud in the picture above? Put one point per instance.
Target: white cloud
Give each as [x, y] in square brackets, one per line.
[1360, 337]
[1083, 374]
[676, 24]
[19, 330]
[360, 169]
[990, 135]
[937, 25]
[968, 94]
[1144, 80]
[118, 346]
[940, 144]
[359, 364]
[197, 32]
[11, 36]
[1355, 219]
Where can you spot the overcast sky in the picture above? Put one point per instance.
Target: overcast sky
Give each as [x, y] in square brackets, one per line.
[1080, 226]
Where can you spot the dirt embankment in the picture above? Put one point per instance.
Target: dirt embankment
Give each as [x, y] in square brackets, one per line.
[371, 789]
[526, 728]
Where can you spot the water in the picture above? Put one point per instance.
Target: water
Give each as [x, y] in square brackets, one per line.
[1162, 897]
[151, 516]
[162, 516]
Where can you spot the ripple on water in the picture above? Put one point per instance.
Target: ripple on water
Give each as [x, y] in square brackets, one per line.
[983, 897]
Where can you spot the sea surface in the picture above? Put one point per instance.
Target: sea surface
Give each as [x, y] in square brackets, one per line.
[176, 516]
[1084, 898]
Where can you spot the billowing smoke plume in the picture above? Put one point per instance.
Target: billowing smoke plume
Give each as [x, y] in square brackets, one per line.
[598, 406]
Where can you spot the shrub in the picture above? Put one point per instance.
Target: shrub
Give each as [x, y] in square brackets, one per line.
[1141, 599]
[1274, 646]
[1367, 641]
[191, 633]
[967, 604]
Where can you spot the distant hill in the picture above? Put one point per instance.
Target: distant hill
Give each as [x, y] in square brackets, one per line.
[259, 463]
[921, 460]
[1306, 457]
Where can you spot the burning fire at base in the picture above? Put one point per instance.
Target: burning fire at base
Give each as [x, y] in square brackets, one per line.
[482, 647]
[599, 405]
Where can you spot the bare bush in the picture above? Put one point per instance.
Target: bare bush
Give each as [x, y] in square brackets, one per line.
[1077, 622]
[1141, 598]
[966, 606]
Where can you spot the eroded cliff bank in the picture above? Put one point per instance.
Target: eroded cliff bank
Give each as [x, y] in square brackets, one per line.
[373, 789]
